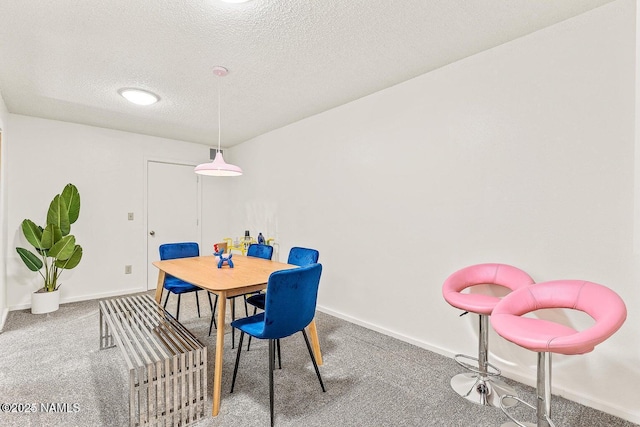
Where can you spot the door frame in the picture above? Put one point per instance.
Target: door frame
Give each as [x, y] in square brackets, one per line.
[164, 160]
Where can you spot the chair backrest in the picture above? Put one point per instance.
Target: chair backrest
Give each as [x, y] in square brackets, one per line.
[260, 251]
[290, 301]
[179, 250]
[303, 256]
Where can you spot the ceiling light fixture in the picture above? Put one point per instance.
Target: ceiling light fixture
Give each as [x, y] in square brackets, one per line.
[218, 167]
[235, 1]
[139, 96]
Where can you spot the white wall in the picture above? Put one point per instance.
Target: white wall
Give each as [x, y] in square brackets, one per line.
[4, 116]
[108, 167]
[523, 154]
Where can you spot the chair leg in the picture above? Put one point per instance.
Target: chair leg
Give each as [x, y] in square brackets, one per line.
[313, 359]
[166, 300]
[246, 306]
[233, 317]
[278, 346]
[274, 356]
[198, 303]
[279, 357]
[271, 365]
[213, 313]
[235, 368]
[178, 310]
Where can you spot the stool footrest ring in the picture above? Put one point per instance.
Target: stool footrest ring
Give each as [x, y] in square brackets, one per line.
[474, 369]
[518, 423]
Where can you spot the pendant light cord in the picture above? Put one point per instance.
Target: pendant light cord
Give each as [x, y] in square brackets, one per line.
[219, 120]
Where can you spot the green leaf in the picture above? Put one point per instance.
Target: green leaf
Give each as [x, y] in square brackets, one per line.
[58, 214]
[43, 252]
[64, 248]
[73, 260]
[31, 260]
[50, 236]
[71, 197]
[32, 233]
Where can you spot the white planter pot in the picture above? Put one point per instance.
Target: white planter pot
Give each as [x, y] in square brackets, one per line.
[45, 302]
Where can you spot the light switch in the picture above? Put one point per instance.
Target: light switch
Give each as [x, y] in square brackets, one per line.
[130, 216]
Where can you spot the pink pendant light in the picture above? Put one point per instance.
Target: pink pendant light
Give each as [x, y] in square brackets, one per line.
[218, 167]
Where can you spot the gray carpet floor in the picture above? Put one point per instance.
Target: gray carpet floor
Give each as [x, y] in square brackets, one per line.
[371, 379]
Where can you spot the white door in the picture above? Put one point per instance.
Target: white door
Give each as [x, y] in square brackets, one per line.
[173, 210]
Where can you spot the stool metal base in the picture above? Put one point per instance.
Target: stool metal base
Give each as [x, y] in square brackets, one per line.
[481, 386]
[543, 394]
[482, 390]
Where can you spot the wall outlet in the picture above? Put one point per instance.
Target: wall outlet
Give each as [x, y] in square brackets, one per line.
[127, 269]
[130, 216]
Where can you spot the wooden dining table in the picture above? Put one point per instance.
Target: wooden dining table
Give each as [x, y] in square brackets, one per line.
[249, 274]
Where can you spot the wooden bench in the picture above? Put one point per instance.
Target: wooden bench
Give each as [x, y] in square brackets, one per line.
[167, 364]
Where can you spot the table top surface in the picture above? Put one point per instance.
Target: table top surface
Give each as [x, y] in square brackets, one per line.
[203, 271]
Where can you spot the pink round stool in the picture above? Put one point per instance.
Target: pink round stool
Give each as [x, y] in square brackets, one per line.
[481, 386]
[546, 337]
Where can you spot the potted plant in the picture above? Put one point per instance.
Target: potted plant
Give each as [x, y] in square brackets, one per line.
[56, 248]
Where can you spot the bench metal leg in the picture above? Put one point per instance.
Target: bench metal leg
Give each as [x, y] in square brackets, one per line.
[106, 339]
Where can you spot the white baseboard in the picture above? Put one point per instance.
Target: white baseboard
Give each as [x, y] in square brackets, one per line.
[508, 372]
[3, 318]
[86, 297]
[385, 331]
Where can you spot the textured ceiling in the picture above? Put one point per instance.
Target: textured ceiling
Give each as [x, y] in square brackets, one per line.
[288, 59]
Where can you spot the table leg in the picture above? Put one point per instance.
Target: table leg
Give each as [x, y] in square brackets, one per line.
[160, 285]
[315, 343]
[217, 372]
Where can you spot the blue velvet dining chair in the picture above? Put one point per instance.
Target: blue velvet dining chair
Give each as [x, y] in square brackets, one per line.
[290, 306]
[173, 285]
[297, 256]
[254, 250]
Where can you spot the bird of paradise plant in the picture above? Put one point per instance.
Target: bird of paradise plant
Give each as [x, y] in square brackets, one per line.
[56, 248]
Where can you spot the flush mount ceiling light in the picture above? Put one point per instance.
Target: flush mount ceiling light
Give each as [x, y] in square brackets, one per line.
[218, 167]
[139, 96]
[235, 1]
